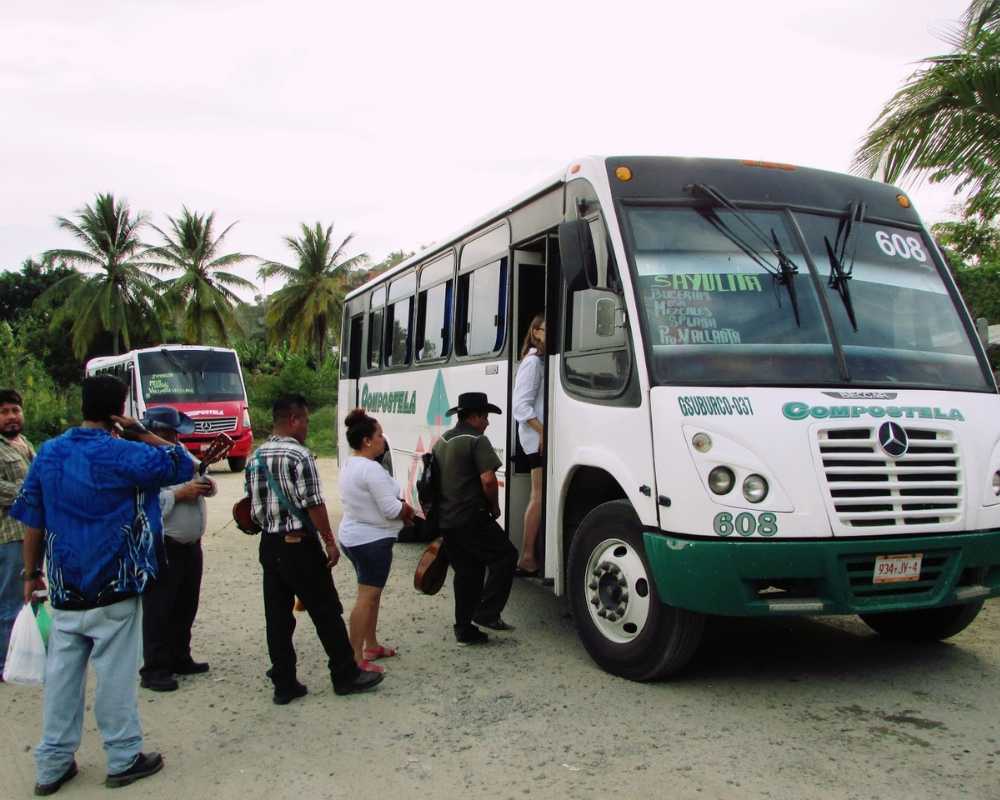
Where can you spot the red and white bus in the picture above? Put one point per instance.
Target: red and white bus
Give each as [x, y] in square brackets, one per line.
[206, 383]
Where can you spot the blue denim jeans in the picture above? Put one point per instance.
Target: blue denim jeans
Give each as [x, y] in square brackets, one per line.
[110, 638]
[11, 593]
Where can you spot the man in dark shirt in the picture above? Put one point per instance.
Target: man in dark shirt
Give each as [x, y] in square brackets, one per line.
[469, 508]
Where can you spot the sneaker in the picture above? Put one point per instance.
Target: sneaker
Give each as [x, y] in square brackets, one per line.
[285, 695]
[190, 667]
[43, 789]
[470, 635]
[495, 624]
[362, 683]
[145, 764]
[158, 682]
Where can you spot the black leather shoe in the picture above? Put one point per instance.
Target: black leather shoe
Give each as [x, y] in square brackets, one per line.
[470, 635]
[285, 695]
[146, 764]
[190, 667]
[362, 683]
[43, 789]
[158, 682]
[495, 624]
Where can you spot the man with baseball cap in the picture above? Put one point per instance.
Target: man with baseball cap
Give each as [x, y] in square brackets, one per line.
[169, 608]
[477, 547]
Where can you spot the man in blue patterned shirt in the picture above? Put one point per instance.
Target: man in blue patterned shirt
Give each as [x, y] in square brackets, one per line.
[92, 499]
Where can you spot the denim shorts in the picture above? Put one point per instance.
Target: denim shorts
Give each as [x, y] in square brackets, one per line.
[371, 561]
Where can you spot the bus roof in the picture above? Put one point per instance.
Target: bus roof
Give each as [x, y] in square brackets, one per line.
[102, 361]
[759, 174]
[551, 182]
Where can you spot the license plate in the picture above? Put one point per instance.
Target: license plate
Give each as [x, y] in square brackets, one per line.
[897, 569]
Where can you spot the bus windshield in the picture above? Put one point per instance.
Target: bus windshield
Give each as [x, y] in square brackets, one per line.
[718, 310]
[186, 376]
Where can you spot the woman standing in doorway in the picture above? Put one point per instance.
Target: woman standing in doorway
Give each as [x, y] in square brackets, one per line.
[373, 515]
[529, 411]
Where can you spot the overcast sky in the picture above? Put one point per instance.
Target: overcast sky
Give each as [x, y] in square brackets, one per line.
[402, 122]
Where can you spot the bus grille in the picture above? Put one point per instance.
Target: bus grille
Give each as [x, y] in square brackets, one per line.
[868, 489]
[215, 425]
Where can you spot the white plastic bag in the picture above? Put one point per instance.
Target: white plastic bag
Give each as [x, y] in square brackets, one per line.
[26, 652]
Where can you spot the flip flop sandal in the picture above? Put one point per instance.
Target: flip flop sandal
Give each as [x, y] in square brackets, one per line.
[367, 666]
[526, 573]
[375, 653]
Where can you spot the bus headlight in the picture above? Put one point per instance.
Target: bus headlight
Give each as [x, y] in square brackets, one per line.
[246, 417]
[701, 442]
[721, 480]
[754, 488]
[996, 483]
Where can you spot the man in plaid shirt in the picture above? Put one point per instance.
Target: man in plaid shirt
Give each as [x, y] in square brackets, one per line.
[287, 502]
[16, 454]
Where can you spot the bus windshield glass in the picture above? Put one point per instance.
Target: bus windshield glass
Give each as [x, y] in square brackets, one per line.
[719, 310]
[186, 376]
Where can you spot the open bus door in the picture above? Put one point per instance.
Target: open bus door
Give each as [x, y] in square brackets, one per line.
[534, 262]
[350, 371]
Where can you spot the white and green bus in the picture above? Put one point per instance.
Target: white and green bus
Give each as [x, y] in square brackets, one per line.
[764, 397]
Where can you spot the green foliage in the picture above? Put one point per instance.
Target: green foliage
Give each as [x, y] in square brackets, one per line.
[48, 408]
[308, 308]
[121, 299]
[18, 290]
[203, 292]
[981, 289]
[944, 122]
[968, 243]
[296, 377]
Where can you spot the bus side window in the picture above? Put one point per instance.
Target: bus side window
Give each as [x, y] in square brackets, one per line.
[433, 321]
[398, 324]
[376, 325]
[482, 309]
[353, 365]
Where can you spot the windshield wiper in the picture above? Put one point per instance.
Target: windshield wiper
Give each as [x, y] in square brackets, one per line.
[841, 271]
[176, 362]
[784, 274]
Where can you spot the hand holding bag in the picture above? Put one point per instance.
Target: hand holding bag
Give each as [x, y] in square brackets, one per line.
[26, 653]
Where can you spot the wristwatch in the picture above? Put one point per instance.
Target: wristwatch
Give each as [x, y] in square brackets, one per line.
[30, 576]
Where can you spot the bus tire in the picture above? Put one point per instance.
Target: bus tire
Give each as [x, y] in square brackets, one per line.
[237, 464]
[618, 614]
[923, 625]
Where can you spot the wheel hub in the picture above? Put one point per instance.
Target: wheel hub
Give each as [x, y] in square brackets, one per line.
[614, 571]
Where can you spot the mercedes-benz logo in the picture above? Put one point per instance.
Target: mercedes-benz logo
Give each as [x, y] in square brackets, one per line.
[893, 439]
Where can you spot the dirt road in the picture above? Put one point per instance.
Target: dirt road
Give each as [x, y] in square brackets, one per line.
[769, 709]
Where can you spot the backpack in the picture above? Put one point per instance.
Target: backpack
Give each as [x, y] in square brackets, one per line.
[428, 483]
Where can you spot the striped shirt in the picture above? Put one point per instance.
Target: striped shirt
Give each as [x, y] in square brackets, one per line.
[15, 458]
[293, 468]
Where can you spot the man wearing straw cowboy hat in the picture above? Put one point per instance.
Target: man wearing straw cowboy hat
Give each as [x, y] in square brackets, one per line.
[477, 547]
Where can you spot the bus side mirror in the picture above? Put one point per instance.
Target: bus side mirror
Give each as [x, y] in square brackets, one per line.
[576, 254]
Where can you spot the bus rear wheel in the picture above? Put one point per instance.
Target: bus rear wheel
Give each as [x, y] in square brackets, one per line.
[237, 464]
[619, 617]
[924, 625]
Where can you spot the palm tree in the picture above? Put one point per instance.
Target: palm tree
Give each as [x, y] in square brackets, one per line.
[204, 291]
[121, 299]
[311, 303]
[945, 121]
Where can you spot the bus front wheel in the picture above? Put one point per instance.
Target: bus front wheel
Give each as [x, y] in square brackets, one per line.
[237, 464]
[620, 619]
[924, 625]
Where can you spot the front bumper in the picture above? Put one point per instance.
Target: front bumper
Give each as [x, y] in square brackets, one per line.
[828, 576]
